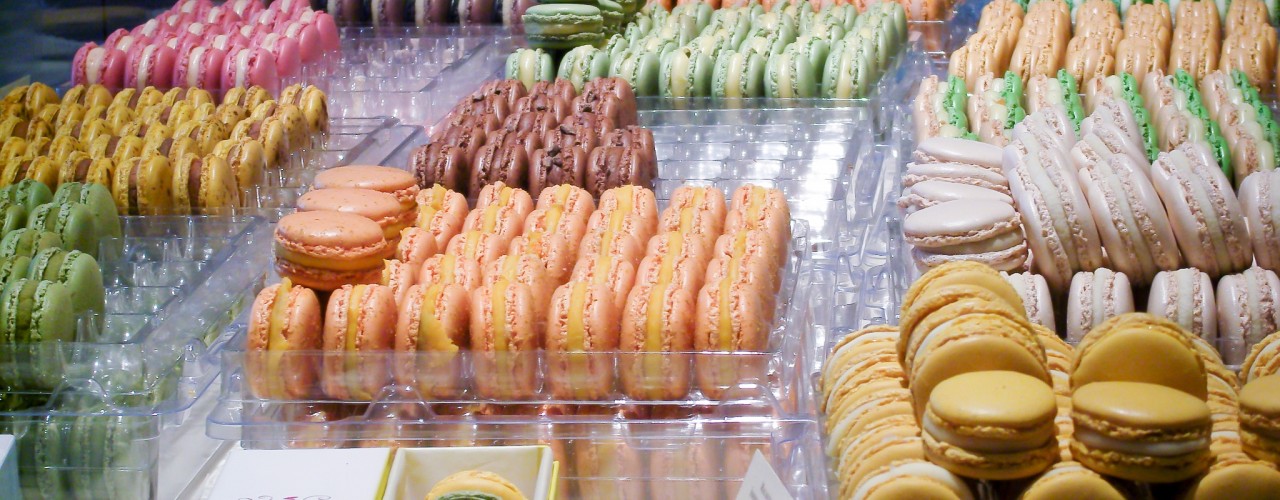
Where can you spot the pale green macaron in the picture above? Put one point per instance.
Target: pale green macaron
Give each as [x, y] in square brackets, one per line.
[530, 66]
[686, 73]
[816, 49]
[738, 74]
[790, 75]
[700, 12]
[848, 70]
[641, 70]
[583, 64]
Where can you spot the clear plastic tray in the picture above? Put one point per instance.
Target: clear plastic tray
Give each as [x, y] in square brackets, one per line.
[173, 283]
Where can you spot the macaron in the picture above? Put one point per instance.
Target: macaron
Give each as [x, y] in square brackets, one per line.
[1063, 238]
[657, 319]
[1206, 216]
[913, 479]
[28, 242]
[1186, 297]
[530, 66]
[377, 206]
[247, 160]
[1236, 477]
[1070, 480]
[204, 185]
[582, 318]
[441, 212]
[359, 319]
[1112, 420]
[433, 322]
[1107, 352]
[504, 334]
[1130, 219]
[326, 250]
[35, 311]
[143, 185]
[1258, 410]
[1094, 298]
[1259, 196]
[1036, 298]
[563, 26]
[283, 318]
[393, 181]
[738, 74]
[790, 74]
[1248, 310]
[991, 425]
[475, 482]
[960, 173]
[978, 230]
[686, 73]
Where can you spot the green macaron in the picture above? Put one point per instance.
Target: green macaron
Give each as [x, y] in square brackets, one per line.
[45, 445]
[816, 49]
[530, 66]
[678, 29]
[848, 70]
[72, 222]
[13, 268]
[614, 46]
[641, 70]
[613, 14]
[27, 242]
[97, 198]
[563, 26]
[29, 193]
[75, 269]
[36, 311]
[13, 216]
[109, 466]
[583, 64]
[686, 73]
[790, 75]
[738, 74]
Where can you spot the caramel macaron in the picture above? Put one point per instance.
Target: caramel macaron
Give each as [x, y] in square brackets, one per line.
[991, 425]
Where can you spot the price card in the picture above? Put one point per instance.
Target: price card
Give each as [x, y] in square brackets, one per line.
[303, 474]
[762, 482]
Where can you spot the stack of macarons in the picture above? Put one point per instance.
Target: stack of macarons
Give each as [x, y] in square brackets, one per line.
[197, 44]
[158, 152]
[564, 25]
[742, 52]
[538, 136]
[48, 268]
[620, 279]
[958, 207]
[1188, 36]
[986, 395]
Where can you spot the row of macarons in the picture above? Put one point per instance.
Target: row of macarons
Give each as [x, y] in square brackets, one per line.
[1191, 38]
[197, 44]
[1073, 200]
[963, 332]
[1156, 113]
[1234, 317]
[187, 159]
[53, 238]
[540, 136]
[735, 55]
[505, 253]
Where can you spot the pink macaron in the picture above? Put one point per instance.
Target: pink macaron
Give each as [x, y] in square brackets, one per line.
[975, 230]
[250, 66]
[195, 7]
[1206, 216]
[326, 28]
[309, 44]
[291, 8]
[123, 40]
[149, 29]
[1260, 199]
[150, 65]
[1130, 219]
[1186, 297]
[229, 42]
[1095, 297]
[199, 67]
[1036, 298]
[1248, 310]
[286, 52]
[245, 8]
[222, 16]
[101, 65]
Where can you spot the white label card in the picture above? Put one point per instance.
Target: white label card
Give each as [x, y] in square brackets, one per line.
[762, 482]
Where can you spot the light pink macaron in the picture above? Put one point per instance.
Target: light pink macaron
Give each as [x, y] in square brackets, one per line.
[962, 173]
[1206, 216]
[932, 192]
[948, 149]
[1260, 199]
[1186, 297]
[250, 66]
[1248, 310]
[1036, 298]
[977, 230]
[1130, 219]
[1095, 297]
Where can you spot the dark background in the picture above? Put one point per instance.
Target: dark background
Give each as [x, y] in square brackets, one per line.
[39, 38]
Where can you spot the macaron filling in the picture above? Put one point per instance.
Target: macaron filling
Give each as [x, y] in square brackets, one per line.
[1165, 448]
